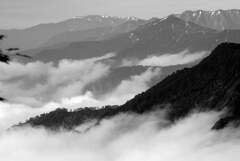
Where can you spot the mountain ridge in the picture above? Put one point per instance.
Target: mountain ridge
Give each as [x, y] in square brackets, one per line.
[34, 36]
[25, 38]
[99, 33]
[213, 84]
[157, 36]
[218, 19]
[169, 35]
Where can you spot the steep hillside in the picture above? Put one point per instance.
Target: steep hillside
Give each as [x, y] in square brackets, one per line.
[213, 84]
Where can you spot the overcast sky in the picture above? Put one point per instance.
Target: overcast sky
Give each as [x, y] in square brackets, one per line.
[25, 13]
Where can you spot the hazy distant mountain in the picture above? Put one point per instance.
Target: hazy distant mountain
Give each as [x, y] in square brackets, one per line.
[219, 20]
[116, 75]
[167, 35]
[34, 36]
[213, 84]
[96, 33]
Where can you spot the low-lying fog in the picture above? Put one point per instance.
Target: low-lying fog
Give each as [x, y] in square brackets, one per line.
[127, 137]
[37, 87]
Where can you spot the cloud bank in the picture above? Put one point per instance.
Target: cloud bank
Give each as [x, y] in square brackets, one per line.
[127, 137]
[183, 57]
[38, 82]
[36, 87]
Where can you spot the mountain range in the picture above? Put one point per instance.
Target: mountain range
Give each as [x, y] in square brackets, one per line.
[218, 20]
[98, 33]
[169, 35]
[48, 34]
[35, 36]
[213, 84]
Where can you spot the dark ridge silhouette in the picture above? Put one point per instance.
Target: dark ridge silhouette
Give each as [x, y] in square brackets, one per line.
[213, 84]
[62, 118]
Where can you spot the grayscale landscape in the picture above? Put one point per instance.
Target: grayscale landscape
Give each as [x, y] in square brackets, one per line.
[132, 80]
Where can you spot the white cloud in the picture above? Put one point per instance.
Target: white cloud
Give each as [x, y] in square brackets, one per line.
[183, 57]
[127, 138]
[13, 113]
[125, 91]
[37, 83]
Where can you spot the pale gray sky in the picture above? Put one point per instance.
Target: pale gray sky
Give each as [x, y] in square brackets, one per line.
[25, 13]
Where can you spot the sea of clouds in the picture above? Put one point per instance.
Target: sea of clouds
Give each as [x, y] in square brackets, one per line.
[167, 59]
[36, 87]
[127, 137]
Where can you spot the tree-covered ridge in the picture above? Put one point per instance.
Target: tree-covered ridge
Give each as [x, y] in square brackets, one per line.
[62, 118]
[213, 84]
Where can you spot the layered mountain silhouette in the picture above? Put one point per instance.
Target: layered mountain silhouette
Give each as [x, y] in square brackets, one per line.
[100, 33]
[167, 35]
[218, 20]
[51, 33]
[159, 34]
[213, 84]
[35, 36]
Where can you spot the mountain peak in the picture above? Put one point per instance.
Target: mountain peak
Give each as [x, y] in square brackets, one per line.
[223, 54]
[79, 23]
[106, 17]
[177, 25]
[218, 19]
[170, 18]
